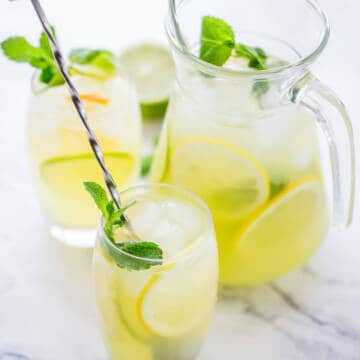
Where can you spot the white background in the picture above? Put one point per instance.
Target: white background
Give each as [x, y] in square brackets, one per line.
[46, 309]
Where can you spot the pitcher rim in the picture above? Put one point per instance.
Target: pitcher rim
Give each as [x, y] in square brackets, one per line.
[303, 61]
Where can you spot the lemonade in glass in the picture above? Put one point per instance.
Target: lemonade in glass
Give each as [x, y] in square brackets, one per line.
[151, 309]
[61, 156]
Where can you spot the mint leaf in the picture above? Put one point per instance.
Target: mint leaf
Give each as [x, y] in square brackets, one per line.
[99, 196]
[51, 76]
[20, 50]
[116, 218]
[139, 255]
[110, 208]
[256, 57]
[44, 42]
[217, 41]
[146, 165]
[147, 254]
[84, 55]
[261, 53]
[102, 61]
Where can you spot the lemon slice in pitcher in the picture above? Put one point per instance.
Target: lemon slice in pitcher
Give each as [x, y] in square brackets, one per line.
[231, 181]
[283, 233]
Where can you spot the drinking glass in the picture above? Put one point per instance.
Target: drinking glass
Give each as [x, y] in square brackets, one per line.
[163, 311]
[248, 141]
[61, 156]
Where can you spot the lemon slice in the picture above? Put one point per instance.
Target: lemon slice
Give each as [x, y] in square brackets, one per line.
[168, 306]
[63, 178]
[284, 233]
[152, 69]
[119, 337]
[67, 173]
[159, 164]
[232, 182]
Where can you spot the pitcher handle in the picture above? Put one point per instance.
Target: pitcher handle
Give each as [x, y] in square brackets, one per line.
[318, 98]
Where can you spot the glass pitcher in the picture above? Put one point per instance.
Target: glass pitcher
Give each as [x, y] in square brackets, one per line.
[249, 142]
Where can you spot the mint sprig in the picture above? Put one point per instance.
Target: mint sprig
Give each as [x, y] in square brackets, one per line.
[93, 62]
[40, 57]
[89, 62]
[133, 255]
[218, 44]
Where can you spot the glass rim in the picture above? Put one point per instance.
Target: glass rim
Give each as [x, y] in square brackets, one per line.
[199, 202]
[176, 40]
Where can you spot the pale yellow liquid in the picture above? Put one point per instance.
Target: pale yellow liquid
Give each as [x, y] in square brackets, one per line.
[203, 138]
[60, 153]
[164, 312]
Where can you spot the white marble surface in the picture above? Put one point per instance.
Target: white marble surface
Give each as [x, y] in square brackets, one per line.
[46, 304]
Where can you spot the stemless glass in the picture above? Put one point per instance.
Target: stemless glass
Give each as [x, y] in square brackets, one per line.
[61, 156]
[162, 312]
[246, 140]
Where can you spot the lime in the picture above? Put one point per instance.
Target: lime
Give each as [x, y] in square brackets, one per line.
[231, 181]
[152, 69]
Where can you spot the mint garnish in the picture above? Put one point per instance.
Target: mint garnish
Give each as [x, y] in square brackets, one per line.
[113, 218]
[102, 61]
[142, 250]
[218, 44]
[256, 57]
[20, 50]
[217, 41]
[97, 63]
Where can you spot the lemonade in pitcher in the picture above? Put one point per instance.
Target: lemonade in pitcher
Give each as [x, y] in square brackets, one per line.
[237, 135]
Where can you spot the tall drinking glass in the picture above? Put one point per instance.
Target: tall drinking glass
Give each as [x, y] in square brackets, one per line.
[61, 156]
[161, 312]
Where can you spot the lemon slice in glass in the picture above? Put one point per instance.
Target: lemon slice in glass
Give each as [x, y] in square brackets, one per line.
[63, 189]
[152, 69]
[231, 181]
[168, 306]
[284, 233]
[66, 173]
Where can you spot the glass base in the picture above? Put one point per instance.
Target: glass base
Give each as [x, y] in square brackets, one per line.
[74, 237]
